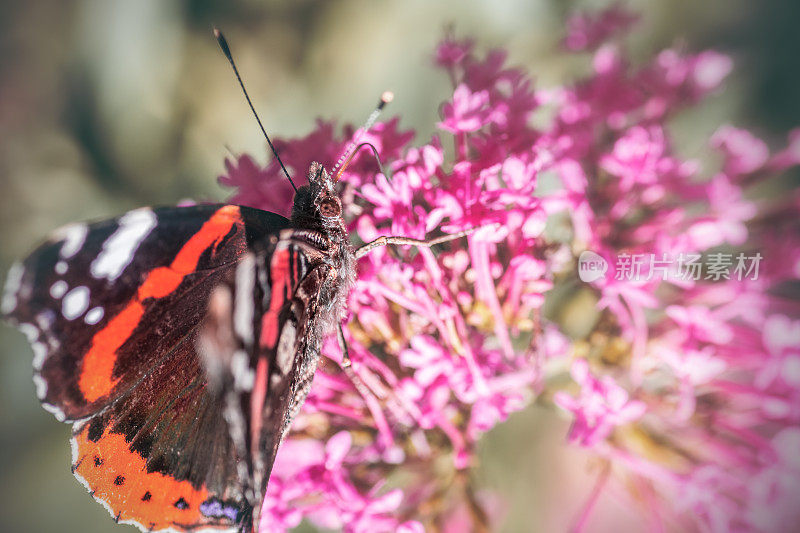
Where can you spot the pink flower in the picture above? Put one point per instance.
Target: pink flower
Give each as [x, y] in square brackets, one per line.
[469, 111]
[744, 153]
[699, 323]
[587, 31]
[726, 224]
[709, 69]
[637, 158]
[772, 501]
[675, 79]
[600, 407]
[451, 53]
[258, 187]
[701, 493]
[781, 337]
[790, 156]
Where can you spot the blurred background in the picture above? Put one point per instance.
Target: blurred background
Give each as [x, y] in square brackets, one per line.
[106, 105]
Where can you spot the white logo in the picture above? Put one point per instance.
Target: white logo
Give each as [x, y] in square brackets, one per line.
[591, 266]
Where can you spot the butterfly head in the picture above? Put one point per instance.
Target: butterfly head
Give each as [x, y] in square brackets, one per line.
[318, 200]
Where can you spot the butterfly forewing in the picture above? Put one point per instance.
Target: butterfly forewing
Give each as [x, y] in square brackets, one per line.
[102, 304]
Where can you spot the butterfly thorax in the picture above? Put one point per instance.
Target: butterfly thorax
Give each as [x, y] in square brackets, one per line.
[317, 218]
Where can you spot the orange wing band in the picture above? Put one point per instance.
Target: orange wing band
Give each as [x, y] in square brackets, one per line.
[97, 374]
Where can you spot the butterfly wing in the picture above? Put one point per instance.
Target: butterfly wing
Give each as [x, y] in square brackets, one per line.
[160, 457]
[263, 394]
[103, 304]
[150, 443]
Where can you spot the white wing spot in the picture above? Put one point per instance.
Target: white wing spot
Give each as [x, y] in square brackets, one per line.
[13, 282]
[58, 413]
[75, 303]
[94, 315]
[286, 346]
[73, 235]
[243, 375]
[61, 267]
[39, 353]
[41, 386]
[73, 445]
[58, 289]
[243, 305]
[241, 470]
[45, 319]
[119, 248]
[30, 331]
[235, 420]
[275, 380]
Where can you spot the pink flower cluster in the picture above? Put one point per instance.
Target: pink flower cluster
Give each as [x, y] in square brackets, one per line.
[699, 397]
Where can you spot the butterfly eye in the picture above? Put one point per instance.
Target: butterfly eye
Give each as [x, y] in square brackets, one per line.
[330, 207]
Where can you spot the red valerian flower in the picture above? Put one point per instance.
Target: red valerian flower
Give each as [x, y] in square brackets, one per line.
[687, 386]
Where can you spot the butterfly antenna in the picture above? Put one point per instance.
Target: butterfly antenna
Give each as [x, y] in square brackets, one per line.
[223, 44]
[354, 146]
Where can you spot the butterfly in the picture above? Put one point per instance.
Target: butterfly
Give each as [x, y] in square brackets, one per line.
[180, 343]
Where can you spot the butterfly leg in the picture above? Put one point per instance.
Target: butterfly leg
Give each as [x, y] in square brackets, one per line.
[386, 240]
[346, 363]
[347, 366]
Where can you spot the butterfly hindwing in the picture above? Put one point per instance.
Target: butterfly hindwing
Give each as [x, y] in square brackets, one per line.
[160, 457]
[103, 303]
[262, 397]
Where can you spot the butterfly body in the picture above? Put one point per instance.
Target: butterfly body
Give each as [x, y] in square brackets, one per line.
[180, 343]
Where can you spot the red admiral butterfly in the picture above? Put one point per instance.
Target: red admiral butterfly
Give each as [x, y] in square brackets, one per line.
[180, 342]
